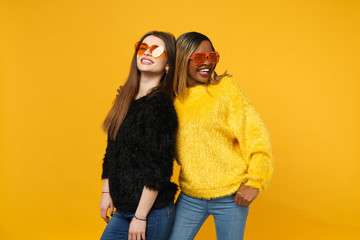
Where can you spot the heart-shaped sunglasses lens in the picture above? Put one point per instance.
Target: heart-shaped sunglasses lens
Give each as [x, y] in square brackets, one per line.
[155, 50]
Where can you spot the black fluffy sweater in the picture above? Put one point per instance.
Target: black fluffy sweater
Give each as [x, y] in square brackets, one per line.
[142, 153]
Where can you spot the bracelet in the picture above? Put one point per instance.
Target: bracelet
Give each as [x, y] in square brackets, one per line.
[105, 192]
[141, 219]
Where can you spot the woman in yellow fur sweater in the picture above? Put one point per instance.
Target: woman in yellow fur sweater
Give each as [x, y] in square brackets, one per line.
[223, 147]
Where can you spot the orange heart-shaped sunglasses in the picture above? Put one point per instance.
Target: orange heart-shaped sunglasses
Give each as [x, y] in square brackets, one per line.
[155, 50]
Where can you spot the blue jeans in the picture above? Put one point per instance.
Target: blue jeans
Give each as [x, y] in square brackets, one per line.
[158, 225]
[191, 213]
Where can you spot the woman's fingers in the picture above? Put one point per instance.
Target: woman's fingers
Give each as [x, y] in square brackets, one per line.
[106, 204]
[111, 210]
[103, 210]
[244, 203]
[236, 198]
[245, 195]
[136, 236]
[240, 200]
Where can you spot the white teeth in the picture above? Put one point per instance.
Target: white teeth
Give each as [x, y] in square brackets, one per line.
[146, 61]
[204, 70]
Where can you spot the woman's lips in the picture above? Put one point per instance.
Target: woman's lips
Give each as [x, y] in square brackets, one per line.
[204, 72]
[146, 61]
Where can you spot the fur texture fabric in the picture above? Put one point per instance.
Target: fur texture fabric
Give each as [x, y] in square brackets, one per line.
[143, 153]
[221, 142]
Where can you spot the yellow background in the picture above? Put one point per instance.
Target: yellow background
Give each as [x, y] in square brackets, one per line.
[62, 61]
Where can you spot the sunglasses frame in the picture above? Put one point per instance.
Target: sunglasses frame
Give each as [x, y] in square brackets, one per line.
[207, 56]
[137, 48]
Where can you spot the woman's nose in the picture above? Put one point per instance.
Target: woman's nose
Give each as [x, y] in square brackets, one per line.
[207, 61]
[147, 52]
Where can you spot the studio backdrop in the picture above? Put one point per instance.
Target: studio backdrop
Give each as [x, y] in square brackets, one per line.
[62, 61]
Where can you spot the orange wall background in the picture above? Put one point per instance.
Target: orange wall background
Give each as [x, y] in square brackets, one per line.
[62, 61]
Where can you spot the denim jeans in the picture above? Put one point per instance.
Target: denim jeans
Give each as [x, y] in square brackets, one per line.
[158, 225]
[191, 213]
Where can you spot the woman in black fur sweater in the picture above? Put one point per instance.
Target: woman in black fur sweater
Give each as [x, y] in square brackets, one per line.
[138, 162]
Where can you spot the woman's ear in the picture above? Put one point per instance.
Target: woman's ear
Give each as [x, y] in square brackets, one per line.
[167, 68]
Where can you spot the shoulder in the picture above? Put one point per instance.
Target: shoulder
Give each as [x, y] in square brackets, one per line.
[160, 105]
[229, 85]
[228, 81]
[160, 101]
[159, 96]
[230, 90]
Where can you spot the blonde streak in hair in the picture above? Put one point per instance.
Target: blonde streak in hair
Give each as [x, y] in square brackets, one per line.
[180, 69]
[212, 77]
[184, 76]
[185, 64]
[176, 75]
[176, 85]
[219, 77]
[177, 79]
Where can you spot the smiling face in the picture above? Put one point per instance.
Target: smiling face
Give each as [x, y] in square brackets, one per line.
[146, 63]
[200, 74]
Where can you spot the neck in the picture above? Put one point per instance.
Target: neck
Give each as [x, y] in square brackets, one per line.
[147, 82]
[192, 83]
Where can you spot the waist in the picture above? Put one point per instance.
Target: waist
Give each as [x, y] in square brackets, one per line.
[204, 191]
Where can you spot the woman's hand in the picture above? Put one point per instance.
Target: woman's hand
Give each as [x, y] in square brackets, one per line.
[245, 195]
[105, 204]
[106, 201]
[137, 229]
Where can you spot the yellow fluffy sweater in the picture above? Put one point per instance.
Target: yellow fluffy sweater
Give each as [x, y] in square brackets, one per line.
[221, 142]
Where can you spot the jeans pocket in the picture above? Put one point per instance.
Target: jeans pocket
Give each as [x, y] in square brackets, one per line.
[171, 212]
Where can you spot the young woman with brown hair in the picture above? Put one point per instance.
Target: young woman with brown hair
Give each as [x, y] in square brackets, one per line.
[138, 162]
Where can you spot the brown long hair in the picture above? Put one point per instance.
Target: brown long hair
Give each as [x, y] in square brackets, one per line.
[127, 93]
[186, 45]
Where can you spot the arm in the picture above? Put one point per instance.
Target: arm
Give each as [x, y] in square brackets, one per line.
[161, 125]
[258, 152]
[138, 224]
[111, 151]
[106, 201]
[255, 145]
